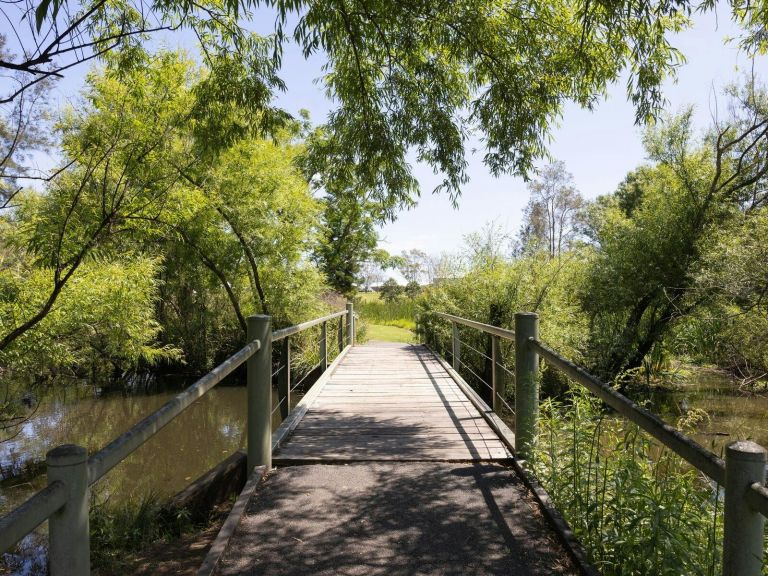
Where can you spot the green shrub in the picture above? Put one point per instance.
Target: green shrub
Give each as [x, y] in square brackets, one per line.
[637, 508]
[121, 529]
[400, 313]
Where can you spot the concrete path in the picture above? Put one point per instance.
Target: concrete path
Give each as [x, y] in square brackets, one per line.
[396, 519]
[392, 470]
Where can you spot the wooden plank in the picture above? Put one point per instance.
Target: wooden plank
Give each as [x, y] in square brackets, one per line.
[377, 432]
[397, 403]
[451, 454]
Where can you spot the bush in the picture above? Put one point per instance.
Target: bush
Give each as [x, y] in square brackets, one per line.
[636, 507]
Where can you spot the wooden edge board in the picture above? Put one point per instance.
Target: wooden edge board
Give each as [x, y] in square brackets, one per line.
[297, 414]
[292, 461]
[219, 546]
[551, 513]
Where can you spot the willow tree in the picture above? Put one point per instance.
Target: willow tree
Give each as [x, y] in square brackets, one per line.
[151, 158]
[415, 75]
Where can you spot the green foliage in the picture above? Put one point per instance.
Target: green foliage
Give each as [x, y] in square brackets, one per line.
[553, 215]
[654, 235]
[119, 530]
[347, 239]
[492, 294]
[406, 74]
[390, 291]
[106, 317]
[637, 508]
[399, 313]
[221, 223]
[412, 289]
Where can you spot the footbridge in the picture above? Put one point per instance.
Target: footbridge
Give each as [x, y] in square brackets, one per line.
[390, 463]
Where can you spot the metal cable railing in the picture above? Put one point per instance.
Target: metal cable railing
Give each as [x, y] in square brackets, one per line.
[742, 473]
[478, 377]
[304, 378]
[64, 502]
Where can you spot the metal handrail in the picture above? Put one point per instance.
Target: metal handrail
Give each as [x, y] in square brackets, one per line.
[741, 474]
[692, 452]
[291, 330]
[487, 328]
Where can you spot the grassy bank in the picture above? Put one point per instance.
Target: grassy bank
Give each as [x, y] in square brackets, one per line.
[374, 310]
[390, 334]
[387, 321]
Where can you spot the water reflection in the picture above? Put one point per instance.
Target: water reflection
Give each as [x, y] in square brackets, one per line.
[202, 436]
[733, 415]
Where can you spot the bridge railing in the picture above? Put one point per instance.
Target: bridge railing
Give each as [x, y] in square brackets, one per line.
[741, 474]
[64, 502]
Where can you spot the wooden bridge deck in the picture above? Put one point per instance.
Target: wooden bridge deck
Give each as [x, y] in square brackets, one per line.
[391, 402]
[392, 470]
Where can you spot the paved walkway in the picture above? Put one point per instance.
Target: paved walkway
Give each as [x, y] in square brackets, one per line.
[393, 471]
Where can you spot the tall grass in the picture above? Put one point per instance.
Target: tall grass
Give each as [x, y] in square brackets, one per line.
[400, 313]
[120, 530]
[637, 507]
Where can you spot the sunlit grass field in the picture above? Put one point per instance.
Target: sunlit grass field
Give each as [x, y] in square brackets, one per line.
[390, 334]
[391, 322]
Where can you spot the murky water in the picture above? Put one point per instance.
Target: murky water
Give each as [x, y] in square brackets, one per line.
[731, 414]
[202, 436]
[214, 427]
[191, 444]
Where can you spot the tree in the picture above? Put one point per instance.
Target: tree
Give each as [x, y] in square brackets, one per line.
[413, 265]
[391, 290]
[372, 270]
[487, 247]
[504, 73]
[347, 239]
[136, 174]
[23, 130]
[447, 266]
[412, 289]
[643, 278]
[553, 216]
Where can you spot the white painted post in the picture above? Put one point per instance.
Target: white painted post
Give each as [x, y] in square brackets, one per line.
[743, 530]
[69, 547]
[259, 381]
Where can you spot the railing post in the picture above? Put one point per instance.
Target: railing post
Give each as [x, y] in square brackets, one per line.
[455, 345]
[69, 546]
[526, 384]
[259, 378]
[351, 323]
[341, 334]
[497, 375]
[743, 527]
[323, 346]
[284, 379]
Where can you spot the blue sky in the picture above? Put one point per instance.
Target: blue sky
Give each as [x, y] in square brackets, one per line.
[598, 147]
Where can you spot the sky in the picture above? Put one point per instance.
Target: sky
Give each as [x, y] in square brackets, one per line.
[598, 147]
